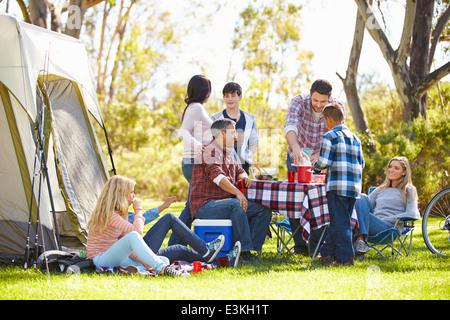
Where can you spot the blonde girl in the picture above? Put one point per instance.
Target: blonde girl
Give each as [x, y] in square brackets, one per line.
[112, 240]
[399, 176]
[395, 198]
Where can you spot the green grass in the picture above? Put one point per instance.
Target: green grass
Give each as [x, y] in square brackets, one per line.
[421, 276]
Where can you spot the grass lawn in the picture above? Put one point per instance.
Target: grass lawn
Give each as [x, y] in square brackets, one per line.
[421, 276]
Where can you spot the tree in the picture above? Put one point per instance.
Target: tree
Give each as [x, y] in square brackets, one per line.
[267, 35]
[350, 82]
[38, 13]
[129, 41]
[410, 63]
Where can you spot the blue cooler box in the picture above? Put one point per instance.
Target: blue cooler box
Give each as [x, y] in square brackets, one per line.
[210, 229]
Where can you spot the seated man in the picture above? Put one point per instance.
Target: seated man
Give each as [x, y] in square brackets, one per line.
[214, 195]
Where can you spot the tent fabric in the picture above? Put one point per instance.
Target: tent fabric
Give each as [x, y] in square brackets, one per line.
[45, 77]
[39, 50]
[14, 201]
[82, 183]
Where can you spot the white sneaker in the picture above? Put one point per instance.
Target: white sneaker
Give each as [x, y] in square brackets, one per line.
[233, 255]
[214, 247]
[361, 247]
[172, 272]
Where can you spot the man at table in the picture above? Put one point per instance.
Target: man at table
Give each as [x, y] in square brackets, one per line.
[304, 129]
[215, 196]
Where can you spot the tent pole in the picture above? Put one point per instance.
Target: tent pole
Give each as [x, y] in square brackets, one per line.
[109, 149]
[41, 143]
[36, 238]
[27, 246]
[51, 199]
[45, 168]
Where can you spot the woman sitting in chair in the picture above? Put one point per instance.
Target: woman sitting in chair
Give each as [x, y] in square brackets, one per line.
[395, 198]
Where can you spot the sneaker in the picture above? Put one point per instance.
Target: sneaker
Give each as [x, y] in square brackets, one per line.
[172, 272]
[233, 255]
[247, 256]
[325, 260]
[447, 224]
[214, 248]
[361, 247]
[303, 251]
[347, 263]
[131, 269]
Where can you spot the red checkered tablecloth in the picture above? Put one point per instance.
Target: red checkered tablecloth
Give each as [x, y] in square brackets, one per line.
[307, 202]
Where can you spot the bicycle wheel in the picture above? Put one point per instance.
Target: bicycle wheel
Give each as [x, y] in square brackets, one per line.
[436, 223]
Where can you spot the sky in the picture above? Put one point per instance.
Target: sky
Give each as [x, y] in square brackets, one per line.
[328, 28]
[327, 24]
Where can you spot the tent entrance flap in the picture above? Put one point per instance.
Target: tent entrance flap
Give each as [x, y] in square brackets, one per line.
[79, 168]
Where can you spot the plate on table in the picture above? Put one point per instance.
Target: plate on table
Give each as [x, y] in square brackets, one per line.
[265, 180]
[265, 174]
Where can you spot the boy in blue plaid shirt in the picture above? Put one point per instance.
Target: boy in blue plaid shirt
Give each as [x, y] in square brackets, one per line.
[341, 155]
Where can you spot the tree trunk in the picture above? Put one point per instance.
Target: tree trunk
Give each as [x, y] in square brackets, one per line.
[411, 81]
[40, 9]
[405, 93]
[77, 9]
[349, 83]
[420, 50]
[55, 14]
[38, 13]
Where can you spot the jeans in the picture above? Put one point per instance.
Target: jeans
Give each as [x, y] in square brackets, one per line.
[250, 228]
[300, 244]
[339, 238]
[187, 167]
[369, 224]
[118, 254]
[155, 237]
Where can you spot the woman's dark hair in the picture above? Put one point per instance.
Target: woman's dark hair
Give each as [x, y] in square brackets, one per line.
[198, 90]
[321, 86]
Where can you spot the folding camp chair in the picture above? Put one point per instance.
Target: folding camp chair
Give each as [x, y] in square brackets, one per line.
[281, 228]
[398, 238]
[284, 236]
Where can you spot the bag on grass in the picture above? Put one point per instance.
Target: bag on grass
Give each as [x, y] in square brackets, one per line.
[62, 261]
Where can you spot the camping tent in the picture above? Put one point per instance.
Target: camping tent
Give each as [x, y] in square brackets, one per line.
[47, 98]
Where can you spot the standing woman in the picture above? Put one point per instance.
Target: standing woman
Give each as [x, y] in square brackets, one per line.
[395, 198]
[195, 133]
[113, 241]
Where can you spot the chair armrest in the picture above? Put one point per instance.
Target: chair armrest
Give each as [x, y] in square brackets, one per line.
[408, 222]
[408, 219]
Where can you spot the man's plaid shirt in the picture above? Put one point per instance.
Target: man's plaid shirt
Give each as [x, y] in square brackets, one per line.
[301, 120]
[216, 161]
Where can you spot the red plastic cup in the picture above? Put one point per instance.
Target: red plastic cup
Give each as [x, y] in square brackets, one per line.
[291, 176]
[304, 174]
[197, 267]
[223, 262]
[241, 186]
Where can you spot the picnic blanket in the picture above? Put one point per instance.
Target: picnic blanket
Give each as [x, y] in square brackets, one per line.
[179, 265]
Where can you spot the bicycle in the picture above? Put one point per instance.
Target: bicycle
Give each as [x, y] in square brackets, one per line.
[436, 224]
